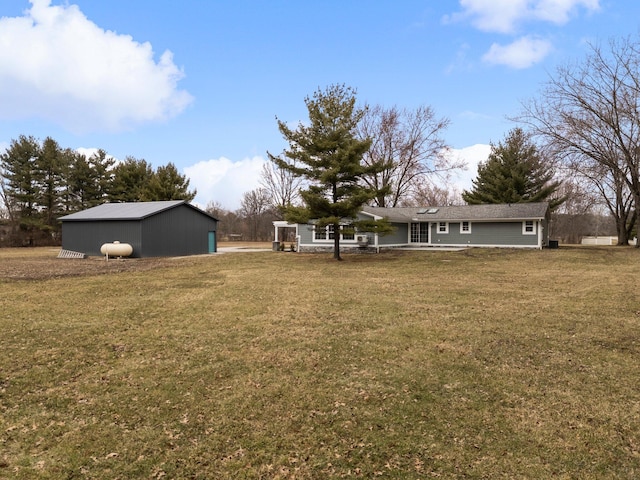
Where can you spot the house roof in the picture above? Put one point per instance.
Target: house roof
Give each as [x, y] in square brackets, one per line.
[127, 211]
[510, 211]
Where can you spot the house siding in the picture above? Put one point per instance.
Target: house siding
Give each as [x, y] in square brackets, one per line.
[400, 236]
[305, 233]
[485, 233]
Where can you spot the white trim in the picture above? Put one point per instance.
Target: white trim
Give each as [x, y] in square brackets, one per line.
[446, 228]
[329, 238]
[533, 231]
[282, 224]
[478, 245]
[462, 230]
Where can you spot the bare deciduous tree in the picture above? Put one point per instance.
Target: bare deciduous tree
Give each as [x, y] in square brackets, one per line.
[433, 195]
[410, 144]
[589, 115]
[6, 210]
[282, 186]
[257, 210]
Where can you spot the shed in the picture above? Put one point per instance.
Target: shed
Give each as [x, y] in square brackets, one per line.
[153, 229]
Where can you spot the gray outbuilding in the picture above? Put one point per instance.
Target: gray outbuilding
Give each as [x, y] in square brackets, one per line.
[153, 229]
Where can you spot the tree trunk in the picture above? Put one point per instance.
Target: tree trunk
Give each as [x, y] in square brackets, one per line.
[621, 227]
[336, 242]
[634, 217]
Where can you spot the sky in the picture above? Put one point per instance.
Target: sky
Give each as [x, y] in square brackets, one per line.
[200, 83]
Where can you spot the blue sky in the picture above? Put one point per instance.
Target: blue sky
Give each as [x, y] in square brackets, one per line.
[200, 82]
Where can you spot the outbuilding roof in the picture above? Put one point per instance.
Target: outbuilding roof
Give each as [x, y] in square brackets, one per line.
[127, 211]
[488, 212]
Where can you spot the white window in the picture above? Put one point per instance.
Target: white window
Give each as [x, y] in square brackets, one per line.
[443, 227]
[465, 227]
[327, 233]
[528, 227]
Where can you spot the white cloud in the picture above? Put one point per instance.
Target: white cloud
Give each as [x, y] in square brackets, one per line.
[224, 181]
[471, 156]
[522, 53]
[559, 11]
[60, 66]
[491, 15]
[506, 16]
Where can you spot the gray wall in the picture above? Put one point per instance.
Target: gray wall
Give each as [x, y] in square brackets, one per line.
[305, 232]
[400, 236]
[484, 233]
[178, 231]
[87, 237]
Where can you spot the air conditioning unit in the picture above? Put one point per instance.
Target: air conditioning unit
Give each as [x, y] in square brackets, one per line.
[362, 239]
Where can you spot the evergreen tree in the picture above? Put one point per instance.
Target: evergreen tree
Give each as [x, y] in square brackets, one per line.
[167, 184]
[513, 173]
[88, 179]
[19, 170]
[49, 170]
[328, 155]
[34, 178]
[100, 178]
[130, 181]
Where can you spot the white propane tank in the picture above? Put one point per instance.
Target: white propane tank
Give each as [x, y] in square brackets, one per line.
[116, 249]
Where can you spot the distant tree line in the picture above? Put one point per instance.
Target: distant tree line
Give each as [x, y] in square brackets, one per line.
[41, 181]
[253, 221]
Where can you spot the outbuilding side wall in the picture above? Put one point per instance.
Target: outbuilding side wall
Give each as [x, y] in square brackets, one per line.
[87, 237]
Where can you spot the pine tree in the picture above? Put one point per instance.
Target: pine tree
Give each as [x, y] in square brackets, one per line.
[19, 169]
[514, 173]
[130, 181]
[49, 174]
[87, 180]
[34, 183]
[167, 184]
[328, 155]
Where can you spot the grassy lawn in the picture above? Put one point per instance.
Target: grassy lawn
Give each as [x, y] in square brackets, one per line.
[474, 364]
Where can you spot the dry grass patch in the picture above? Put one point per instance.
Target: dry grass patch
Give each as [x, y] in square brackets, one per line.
[475, 364]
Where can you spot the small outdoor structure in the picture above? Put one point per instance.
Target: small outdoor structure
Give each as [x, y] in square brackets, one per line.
[152, 229]
[278, 225]
[516, 225]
